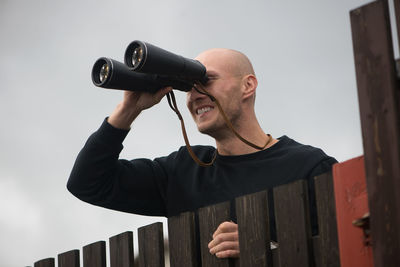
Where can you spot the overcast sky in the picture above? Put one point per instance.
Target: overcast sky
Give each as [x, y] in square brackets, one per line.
[302, 55]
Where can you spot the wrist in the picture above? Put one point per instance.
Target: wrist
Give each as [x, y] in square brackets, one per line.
[123, 117]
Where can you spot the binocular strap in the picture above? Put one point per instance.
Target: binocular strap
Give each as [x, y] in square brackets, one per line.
[174, 107]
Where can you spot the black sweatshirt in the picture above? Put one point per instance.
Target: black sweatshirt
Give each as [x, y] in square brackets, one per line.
[167, 186]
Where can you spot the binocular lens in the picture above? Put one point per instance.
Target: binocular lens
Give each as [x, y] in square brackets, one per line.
[104, 72]
[137, 56]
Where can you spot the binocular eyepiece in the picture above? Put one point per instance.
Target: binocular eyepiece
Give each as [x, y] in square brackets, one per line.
[148, 68]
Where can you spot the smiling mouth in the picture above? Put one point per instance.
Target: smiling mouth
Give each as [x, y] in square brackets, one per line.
[203, 110]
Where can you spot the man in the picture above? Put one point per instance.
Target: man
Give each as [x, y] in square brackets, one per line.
[170, 185]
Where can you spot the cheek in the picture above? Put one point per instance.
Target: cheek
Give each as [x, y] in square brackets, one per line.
[233, 100]
[188, 100]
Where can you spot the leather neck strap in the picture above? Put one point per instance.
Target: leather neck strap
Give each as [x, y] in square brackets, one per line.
[174, 107]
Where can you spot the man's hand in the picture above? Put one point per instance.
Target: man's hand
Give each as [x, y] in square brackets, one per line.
[131, 106]
[225, 243]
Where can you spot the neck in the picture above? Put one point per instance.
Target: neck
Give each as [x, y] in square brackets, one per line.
[229, 144]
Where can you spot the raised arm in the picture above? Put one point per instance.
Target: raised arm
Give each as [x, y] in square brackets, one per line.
[99, 177]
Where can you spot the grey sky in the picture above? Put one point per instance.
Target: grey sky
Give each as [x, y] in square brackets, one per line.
[301, 51]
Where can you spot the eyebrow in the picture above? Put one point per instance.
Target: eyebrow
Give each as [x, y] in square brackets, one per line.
[212, 74]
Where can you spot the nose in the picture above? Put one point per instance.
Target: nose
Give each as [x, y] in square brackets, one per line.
[194, 95]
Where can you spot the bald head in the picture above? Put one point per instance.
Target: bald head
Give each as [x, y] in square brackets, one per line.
[235, 62]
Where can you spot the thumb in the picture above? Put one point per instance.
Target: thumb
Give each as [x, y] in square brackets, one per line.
[162, 92]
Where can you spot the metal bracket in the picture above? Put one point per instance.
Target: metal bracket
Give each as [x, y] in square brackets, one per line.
[364, 224]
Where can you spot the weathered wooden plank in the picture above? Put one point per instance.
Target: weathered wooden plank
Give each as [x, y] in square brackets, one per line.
[326, 250]
[379, 111]
[254, 237]
[121, 250]
[69, 259]
[182, 240]
[209, 219]
[293, 224]
[151, 245]
[317, 251]
[351, 201]
[94, 255]
[275, 257]
[49, 262]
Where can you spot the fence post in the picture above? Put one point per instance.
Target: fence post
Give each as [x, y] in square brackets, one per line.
[254, 237]
[151, 245]
[327, 240]
[94, 255]
[293, 224]
[352, 204]
[121, 250]
[182, 240]
[49, 262]
[379, 112]
[69, 259]
[209, 219]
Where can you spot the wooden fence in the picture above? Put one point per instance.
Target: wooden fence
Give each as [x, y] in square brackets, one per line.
[378, 94]
[190, 232]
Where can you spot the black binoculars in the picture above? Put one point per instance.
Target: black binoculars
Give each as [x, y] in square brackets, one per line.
[148, 68]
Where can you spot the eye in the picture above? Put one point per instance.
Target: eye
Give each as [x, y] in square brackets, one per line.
[211, 79]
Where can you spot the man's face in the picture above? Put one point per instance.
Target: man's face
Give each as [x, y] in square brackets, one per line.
[224, 86]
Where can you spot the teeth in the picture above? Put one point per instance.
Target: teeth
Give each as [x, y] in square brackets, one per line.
[203, 110]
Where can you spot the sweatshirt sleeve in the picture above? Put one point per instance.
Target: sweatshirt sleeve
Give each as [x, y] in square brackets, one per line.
[99, 177]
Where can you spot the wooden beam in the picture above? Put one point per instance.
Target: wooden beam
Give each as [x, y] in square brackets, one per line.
[209, 219]
[182, 240]
[151, 245]
[69, 259]
[254, 236]
[49, 262]
[293, 225]
[352, 204]
[328, 248]
[94, 255]
[121, 250]
[378, 98]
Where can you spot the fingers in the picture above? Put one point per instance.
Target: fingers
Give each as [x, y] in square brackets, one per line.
[225, 246]
[143, 100]
[226, 227]
[161, 93]
[221, 238]
[228, 254]
[225, 243]
[132, 105]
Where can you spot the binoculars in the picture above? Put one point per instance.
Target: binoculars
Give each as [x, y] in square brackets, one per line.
[148, 68]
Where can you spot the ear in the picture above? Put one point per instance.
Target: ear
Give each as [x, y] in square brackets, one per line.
[249, 85]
